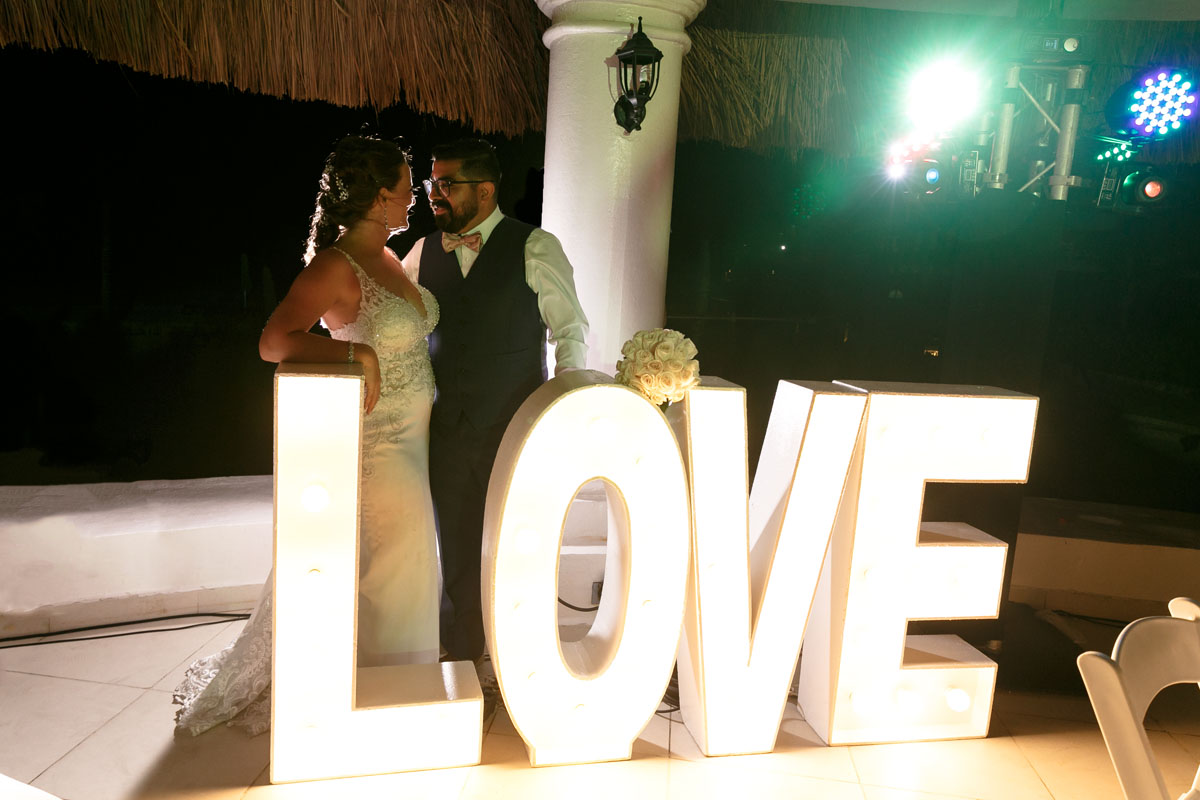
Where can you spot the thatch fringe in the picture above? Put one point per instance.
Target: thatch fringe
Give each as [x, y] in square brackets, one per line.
[756, 90]
[481, 62]
[761, 74]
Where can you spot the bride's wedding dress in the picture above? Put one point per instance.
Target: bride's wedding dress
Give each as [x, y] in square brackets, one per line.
[398, 591]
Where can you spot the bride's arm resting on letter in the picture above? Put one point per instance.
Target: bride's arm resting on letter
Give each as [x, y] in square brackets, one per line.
[325, 288]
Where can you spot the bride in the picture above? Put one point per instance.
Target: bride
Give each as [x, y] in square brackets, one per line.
[379, 317]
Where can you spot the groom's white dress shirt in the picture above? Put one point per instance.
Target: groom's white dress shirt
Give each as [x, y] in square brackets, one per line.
[548, 273]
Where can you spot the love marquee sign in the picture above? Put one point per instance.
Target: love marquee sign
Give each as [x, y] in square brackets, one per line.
[826, 549]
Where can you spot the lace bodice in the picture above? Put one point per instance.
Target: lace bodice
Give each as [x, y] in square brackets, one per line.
[396, 330]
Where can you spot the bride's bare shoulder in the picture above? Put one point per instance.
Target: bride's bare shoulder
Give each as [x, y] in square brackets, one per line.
[330, 264]
[329, 258]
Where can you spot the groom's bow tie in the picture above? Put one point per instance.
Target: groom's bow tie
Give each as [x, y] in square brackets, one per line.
[453, 240]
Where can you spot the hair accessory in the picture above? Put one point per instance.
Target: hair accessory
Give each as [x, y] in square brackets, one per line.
[338, 188]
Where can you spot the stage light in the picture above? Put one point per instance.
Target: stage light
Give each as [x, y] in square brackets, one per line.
[1055, 44]
[1143, 187]
[941, 96]
[1118, 151]
[926, 178]
[916, 176]
[1152, 106]
[916, 163]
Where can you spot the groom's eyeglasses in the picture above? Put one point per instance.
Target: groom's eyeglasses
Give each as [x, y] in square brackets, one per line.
[443, 185]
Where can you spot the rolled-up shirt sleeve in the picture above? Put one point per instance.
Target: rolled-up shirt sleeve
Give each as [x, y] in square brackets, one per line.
[550, 275]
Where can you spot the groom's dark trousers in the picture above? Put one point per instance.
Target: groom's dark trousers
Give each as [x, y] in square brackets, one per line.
[488, 354]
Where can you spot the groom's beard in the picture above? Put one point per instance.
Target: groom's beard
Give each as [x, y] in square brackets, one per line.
[455, 221]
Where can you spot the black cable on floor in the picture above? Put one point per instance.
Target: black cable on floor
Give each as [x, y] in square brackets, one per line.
[670, 696]
[223, 617]
[577, 608]
[1114, 623]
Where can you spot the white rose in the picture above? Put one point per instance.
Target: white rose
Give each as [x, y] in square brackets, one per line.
[648, 386]
[669, 384]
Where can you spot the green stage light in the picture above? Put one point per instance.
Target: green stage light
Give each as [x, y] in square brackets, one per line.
[1118, 151]
[941, 96]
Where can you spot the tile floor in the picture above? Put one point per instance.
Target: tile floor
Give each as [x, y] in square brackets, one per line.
[94, 721]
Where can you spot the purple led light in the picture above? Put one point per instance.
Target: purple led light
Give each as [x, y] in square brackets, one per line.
[1160, 100]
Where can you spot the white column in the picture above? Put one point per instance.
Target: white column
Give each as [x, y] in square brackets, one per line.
[608, 194]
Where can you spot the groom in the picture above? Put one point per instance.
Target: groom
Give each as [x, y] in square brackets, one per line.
[501, 285]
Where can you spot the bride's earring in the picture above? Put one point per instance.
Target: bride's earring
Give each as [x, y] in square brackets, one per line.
[385, 219]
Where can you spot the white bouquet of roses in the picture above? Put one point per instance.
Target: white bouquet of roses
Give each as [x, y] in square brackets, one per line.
[659, 363]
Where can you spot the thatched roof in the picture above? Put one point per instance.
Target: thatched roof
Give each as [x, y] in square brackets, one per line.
[761, 74]
[481, 62]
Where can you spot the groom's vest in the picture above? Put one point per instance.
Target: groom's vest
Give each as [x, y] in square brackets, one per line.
[488, 350]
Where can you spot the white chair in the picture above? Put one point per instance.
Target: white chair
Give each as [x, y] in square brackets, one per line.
[1151, 654]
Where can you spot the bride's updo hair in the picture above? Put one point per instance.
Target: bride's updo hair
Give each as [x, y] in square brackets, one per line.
[355, 171]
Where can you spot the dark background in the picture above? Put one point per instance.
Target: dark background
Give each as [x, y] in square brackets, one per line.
[150, 226]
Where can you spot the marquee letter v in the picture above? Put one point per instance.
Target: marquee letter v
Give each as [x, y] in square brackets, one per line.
[755, 564]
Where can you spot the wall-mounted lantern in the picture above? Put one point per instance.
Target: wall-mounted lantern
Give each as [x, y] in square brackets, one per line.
[638, 61]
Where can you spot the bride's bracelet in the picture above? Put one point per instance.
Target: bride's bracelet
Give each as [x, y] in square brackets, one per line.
[350, 354]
